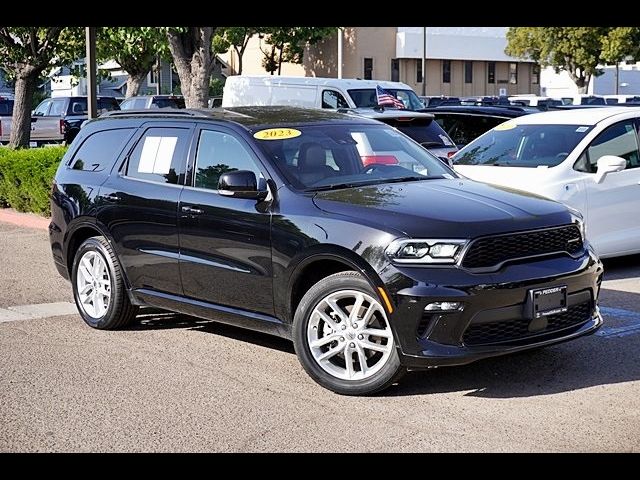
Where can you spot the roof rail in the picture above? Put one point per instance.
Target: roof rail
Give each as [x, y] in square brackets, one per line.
[155, 112]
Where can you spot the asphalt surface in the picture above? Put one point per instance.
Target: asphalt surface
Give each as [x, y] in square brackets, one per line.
[177, 383]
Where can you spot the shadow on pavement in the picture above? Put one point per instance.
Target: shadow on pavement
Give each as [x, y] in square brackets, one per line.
[621, 267]
[156, 319]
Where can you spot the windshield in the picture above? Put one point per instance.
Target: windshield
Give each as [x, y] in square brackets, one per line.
[523, 145]
[340, 156]
[366, 97]
[172, 102]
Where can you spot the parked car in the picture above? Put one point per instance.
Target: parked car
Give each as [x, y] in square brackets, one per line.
[312, 92]
[58, 119]
[280, 221]
[584, 99]
[587, 158]
[485, 100]
[437, 100]
[6, 111]
[215, 102]
[621, 99]
[542, 103]
[464, 123]
[416, 125]
[142, 102]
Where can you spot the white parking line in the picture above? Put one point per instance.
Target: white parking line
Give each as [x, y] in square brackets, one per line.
[37, 310]
[631, 319]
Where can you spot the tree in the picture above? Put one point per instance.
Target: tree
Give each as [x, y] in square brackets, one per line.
[194, 51]
[620, 43]
[136, 50]
[577, 50]
[25, 53]
[287, 44]
[238, 38]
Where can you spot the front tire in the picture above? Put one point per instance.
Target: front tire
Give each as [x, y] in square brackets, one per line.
[98, 286]
[342, 336]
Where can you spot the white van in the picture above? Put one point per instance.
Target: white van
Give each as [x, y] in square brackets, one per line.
[311, 92]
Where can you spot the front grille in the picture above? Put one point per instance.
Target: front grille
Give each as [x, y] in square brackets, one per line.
[492, 251]
[509, 330]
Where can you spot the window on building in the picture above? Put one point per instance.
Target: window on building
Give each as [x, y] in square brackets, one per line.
[152, 77]
[491, 72]
[513, 73]
[446, 71]
[468, 72]
[395, 70]
[535, 74]
[419, 70]
[368, 68]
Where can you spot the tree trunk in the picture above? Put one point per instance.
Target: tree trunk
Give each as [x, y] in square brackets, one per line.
[134, 82]
[21, 121]
[193, 58]
[240, 54]
[581, 81]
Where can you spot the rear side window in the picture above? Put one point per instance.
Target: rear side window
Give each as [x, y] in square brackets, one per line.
[427, 133]
[100, 149]
[160, 155]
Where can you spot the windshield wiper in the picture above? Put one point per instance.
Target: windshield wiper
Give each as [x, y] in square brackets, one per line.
[411, 178]
[432, 144]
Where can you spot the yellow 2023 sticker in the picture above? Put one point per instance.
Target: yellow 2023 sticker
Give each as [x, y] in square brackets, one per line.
[505, 126]
[277, 134]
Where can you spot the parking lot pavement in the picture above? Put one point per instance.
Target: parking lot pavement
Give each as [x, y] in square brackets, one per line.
[177, 383]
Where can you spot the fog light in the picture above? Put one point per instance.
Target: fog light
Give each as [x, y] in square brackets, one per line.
[444, 307]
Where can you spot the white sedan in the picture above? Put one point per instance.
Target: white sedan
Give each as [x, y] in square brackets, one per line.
[586, 158]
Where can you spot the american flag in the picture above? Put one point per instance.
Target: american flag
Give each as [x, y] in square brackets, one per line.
[386, 98]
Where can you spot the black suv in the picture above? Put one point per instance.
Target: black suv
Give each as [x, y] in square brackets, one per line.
[335, 231]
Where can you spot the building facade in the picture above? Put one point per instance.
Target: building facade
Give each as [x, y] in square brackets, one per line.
[461, 61]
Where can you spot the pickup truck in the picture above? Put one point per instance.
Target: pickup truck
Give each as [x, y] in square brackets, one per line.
[6, 110]
[57, 120]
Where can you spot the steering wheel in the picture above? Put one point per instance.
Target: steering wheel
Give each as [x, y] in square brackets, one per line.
[373, 167]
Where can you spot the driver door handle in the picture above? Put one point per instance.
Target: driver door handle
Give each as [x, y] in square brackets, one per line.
[191, 210]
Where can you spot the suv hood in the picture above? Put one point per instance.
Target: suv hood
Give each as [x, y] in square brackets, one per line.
[458, 208]
[530, 179]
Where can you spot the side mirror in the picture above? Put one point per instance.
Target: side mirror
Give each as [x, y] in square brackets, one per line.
[240, 184]
[608, 164]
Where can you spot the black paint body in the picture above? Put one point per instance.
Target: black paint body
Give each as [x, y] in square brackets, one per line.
[242, 261]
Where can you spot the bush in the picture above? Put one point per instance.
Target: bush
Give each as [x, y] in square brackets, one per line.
[26, 176]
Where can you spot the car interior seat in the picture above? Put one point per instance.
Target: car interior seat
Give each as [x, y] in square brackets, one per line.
[312, 164]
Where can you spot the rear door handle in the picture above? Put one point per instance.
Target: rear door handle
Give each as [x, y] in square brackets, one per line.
[192, 211]
[112, 197]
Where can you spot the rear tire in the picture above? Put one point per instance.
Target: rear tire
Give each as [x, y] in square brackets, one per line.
[351, 352]
[98, 286]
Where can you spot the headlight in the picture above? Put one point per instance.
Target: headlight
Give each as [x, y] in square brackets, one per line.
[578, 219]
[429, 251]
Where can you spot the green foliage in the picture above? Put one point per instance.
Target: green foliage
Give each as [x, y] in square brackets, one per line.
[287, 44]
[38, 96]
[32, 49]
[216, 85]
[26, 176]
[620, 43]
[577, 50]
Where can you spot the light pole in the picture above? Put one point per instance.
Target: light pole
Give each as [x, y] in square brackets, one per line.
[339, 52]
[424, 61]
[92, 103]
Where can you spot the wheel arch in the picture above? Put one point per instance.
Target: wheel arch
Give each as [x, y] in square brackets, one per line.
[320, 264]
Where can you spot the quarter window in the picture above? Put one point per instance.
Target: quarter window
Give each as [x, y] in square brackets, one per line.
[160, 156]
[100, 149]
[619, 140]
[333, 99]
[220, 153]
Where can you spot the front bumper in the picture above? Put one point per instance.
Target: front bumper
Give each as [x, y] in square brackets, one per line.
[494, 319]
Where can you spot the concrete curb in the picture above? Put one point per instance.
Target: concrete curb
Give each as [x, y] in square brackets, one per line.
[27, 220]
